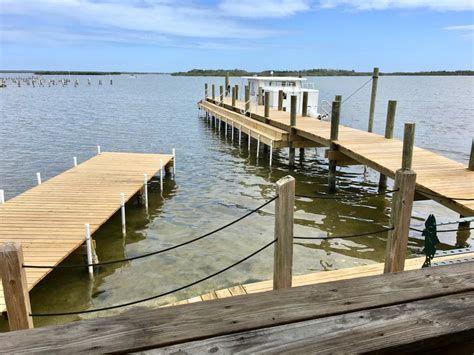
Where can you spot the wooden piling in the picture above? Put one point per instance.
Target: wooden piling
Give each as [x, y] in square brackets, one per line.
[213, 92]
[221, 94]
[402, 204]
[471, 158]
[335, 115]
[227, 86]
[205, 91]
[391, 110]
[305, 104]
[260, 96]
[236, 92]
[233, 96]
[293, 106]
[375, 78]
[267, 104]
[280, 100]
[15, 286]
[283, 252]
[338, 98]
[247, 98]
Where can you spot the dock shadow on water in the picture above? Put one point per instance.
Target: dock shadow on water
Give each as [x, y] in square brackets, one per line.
[217, 181]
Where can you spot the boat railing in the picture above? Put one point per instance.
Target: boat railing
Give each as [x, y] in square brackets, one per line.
[325, 110]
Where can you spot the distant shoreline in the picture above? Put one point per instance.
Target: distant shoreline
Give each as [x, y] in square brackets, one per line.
[238, 73]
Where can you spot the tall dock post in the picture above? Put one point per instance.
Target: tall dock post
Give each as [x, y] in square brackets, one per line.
[402, 203]
[247, 98]
[373, 96]
[267, 104]
[283, 252]
[305, 104]
[335, 114]
[236, 92]
[15, 286]
[391, 110]
[227, 86]
[260, 96]
[233, 96]
[463, 232]
[280, 100]
[338, 98]
[205, 91]
[292, 132]
[213, 89]
[221, 94]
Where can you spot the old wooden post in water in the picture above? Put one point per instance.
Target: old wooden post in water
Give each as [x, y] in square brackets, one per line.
[227, 86]
[391, 110]
[402, 203]
[213, 88]
[233, 96]
[205, 91]
[335, 114]
[292, 132]
[305, 104]
[267, 104]
[236, 92]
[283, 255]
[221, 94]
[280, 100]
[373, 96]
[247, 98]
[15, 286]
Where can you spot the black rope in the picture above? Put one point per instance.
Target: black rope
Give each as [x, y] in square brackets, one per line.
[450, 198]
[359, 89]
[352, 196]
[347, 236]
[156, 296]
[155, 252]
[445, 230]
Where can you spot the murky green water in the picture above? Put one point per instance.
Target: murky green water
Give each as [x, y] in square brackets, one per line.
[42, 128]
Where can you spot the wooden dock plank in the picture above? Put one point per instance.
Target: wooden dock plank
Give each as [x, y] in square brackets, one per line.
[146, 328]
[49, 218]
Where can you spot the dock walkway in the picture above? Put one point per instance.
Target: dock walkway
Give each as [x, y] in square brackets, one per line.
[48, 220]
[438, 178]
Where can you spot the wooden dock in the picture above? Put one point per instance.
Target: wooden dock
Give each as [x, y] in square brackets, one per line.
[415, 311]
[322, 277]
[438, 178]
[48, 220]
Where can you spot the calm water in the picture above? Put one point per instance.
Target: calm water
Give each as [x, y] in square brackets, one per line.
[42, 128]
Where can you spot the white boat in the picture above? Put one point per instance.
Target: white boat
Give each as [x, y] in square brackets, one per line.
[290, 86]
[132, 76]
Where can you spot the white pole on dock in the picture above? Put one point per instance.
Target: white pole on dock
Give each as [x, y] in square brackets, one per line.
[271, 152]
[2, 197]
[75, 160]
[219, 124]
[258, 145]
[240, 134]
[174, 163]
[226, 128]
[87, 229]
[250, 137]
[98, 150]
[145, 190]
[38, 178]
[122, 210]
[161, 175]
[232, 127]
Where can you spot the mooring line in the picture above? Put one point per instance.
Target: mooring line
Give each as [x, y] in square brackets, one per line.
[155, 252]
[155, 296]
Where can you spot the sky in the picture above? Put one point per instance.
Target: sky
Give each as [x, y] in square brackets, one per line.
[167, 36]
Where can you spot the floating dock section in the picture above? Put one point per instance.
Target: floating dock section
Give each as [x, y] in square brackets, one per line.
[48, 220]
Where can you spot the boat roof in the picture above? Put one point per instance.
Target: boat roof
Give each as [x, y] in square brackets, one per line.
[274, 78]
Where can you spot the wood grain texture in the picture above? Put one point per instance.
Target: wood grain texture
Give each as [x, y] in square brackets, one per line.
[434, 324]
[52, 215]
[144, 328]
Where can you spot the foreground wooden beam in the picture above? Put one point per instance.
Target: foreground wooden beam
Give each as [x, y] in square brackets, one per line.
[146, 329]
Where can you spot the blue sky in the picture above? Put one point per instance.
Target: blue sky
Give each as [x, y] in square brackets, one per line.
[165, 35]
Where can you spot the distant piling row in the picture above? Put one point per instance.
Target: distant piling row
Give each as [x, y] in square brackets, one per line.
[37, 81]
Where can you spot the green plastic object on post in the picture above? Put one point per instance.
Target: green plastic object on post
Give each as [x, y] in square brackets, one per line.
[431, 240]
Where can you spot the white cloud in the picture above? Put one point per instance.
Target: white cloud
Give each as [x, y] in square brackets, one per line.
[263, 8]
[460, 28]
[437, 5]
